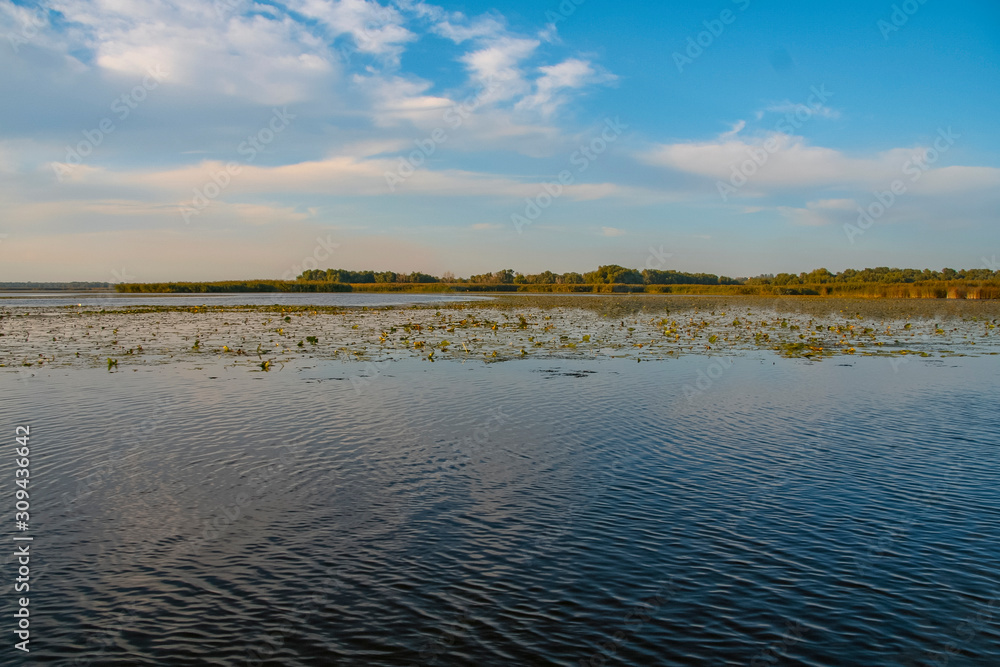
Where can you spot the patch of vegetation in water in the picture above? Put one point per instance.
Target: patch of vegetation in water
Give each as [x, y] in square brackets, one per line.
[635, 327]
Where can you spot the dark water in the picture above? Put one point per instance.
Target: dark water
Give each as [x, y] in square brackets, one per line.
[538, 512]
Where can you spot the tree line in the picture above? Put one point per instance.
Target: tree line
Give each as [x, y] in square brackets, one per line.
[346, 276]
[882, 274]
[613, 274]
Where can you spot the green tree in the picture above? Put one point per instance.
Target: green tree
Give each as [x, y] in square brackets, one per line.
[612, 274]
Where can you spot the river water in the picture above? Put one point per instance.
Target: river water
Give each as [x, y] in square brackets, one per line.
[115, 300]
[751, 510]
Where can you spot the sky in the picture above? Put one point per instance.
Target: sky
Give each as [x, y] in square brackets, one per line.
[146, 140]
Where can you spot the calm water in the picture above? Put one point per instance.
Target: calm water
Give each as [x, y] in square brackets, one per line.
[688, 512]
[115, 300]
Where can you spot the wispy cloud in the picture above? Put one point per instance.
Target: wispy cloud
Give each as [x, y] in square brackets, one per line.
[736, 128]
[556, 79]
[821, 212]
[375, 29]
[791, 162]
[799, 109]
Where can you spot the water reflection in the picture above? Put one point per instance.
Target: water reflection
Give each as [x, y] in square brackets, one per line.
[530, 513]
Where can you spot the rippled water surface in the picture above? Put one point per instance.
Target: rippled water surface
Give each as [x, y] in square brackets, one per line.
[741, 511]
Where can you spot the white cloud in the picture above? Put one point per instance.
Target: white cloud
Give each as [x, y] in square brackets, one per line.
[612, 231]
[463, 30]
[226, 59]
[791, 163]
[376, 29]
[498, 66]
[266, 59]
[395, 99]
[550, 33]
[569, 74]
[813, 186]
[337, 175]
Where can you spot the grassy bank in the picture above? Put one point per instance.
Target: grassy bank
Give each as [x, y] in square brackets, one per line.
[954, 289]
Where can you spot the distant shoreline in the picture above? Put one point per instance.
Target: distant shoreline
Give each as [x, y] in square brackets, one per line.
[953, 289]
[950, 289]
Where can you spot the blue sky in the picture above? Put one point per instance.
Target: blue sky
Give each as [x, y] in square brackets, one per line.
[152, 140]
